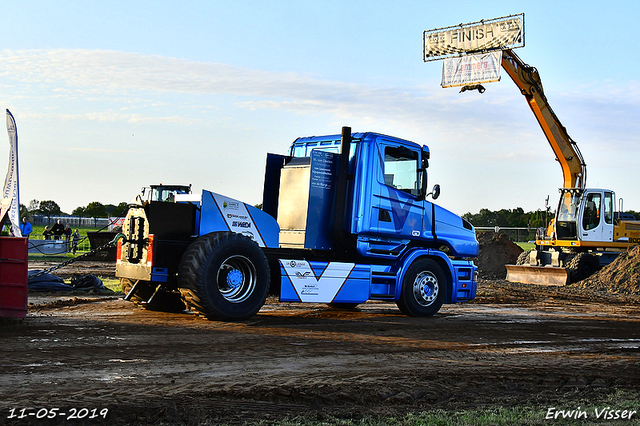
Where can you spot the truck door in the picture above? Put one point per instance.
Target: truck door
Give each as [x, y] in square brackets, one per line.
[597, 216]
[400, 208]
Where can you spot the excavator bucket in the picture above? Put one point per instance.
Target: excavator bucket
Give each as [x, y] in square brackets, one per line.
[543, 275]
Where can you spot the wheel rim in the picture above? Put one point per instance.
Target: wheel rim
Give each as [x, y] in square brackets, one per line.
[236, 279]
[425, 288]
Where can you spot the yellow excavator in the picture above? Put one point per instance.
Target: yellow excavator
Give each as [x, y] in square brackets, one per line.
[587, 231]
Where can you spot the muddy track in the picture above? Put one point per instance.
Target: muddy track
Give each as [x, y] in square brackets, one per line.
[514, 344]
[79, 268]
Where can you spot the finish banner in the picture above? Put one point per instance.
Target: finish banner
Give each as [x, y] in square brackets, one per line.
[476, 37]
[471, 69]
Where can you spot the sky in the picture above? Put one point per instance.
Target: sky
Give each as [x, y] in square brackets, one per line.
[109, 97]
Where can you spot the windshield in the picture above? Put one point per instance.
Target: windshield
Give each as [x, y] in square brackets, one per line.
[168, 193]
[566, 218]
[568, 208]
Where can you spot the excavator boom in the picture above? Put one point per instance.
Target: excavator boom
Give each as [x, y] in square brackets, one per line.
[574, 169]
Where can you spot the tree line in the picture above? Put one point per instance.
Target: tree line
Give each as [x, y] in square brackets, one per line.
[505, 217]
[515, 218]
[94, 209]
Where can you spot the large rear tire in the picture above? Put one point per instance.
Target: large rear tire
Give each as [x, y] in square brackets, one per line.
[423, 289]
[224, 276]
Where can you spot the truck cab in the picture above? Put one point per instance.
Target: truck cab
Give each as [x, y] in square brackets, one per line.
[387, 209]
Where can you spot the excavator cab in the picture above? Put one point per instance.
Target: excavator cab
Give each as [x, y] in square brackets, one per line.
[585, 215]
[567, 216]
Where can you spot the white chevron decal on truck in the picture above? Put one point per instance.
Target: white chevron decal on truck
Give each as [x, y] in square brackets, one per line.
[322, 288]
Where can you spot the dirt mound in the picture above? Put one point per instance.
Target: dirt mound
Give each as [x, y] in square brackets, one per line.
[496, 250]
[622, 276]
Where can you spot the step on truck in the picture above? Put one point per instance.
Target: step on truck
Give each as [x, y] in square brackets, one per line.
[345, 219]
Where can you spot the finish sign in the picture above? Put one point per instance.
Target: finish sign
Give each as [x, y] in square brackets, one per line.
[476, 37]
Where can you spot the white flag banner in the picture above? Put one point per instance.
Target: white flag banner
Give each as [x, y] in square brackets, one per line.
[471, 69]
[10, 194]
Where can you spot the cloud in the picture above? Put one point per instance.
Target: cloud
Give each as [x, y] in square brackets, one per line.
[111, 116]
[112, 71]
[101, 150]
[93, 74]
[485, 148]
[494, 126]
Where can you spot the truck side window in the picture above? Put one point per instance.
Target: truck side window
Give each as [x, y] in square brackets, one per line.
[401, 170]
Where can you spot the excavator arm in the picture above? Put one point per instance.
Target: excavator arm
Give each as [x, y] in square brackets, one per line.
[574, 169]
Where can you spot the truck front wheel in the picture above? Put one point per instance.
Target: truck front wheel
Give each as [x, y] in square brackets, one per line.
[423, 289]
[225, 276]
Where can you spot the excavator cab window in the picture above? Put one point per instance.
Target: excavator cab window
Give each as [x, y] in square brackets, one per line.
[567, 218]
[591, 218]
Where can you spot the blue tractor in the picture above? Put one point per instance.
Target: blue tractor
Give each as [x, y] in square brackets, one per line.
[345, 219]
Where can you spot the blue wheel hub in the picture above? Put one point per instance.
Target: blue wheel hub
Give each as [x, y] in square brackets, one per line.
[235, 278]
[425, 288]
[428, 291]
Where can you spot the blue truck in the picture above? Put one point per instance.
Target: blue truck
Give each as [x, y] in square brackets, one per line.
[345, 219]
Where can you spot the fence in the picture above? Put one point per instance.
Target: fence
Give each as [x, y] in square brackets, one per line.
[515, 234]
[73, 221]
[38, 245]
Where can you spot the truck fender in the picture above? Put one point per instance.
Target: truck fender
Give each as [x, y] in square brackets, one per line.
[439, 257]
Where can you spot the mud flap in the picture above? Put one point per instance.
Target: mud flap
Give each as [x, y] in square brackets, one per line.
[543, 275]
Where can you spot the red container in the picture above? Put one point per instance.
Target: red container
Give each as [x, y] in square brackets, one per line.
[13, 276]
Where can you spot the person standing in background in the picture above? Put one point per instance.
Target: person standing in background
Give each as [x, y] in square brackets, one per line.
[75, 239]
[25, 228]
[57, 230]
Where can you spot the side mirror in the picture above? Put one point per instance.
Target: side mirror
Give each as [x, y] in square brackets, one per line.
[436, 192]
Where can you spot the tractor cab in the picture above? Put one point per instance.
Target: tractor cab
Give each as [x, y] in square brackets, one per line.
[164, 193]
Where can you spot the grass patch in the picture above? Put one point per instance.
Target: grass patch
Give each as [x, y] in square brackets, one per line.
[83, 246]
[51, 257]
[112, 284]
[527, 246]
[606, 401]
[486, 417]
[82, 230]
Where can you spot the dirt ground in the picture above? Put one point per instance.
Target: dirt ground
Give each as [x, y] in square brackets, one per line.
[515, 344]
